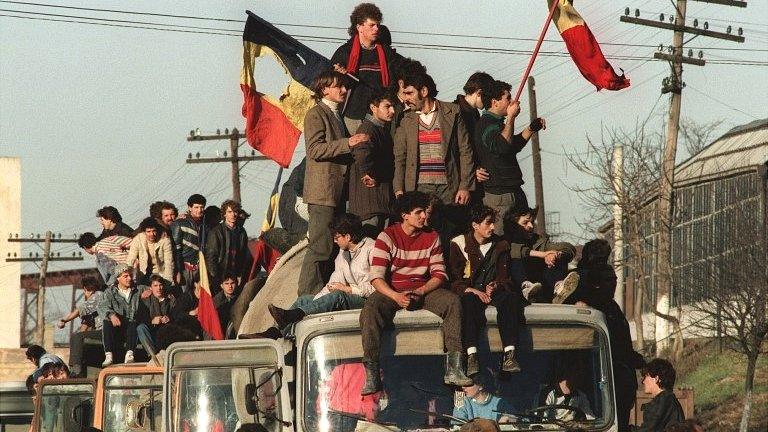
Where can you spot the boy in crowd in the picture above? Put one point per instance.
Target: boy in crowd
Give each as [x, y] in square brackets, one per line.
[329, 154]
[226, 250]
[90, 324]
[109, 252]
[539, 266]
[370, 176]
[156, 312]
[39, 357]
[348, 286]
[188, 235]
[478, 267]
[225, 299]
[497, 146]
[118, 310]
[664, 409]
[151, 253]
[366, 57]
[408, 272]
[112, 223]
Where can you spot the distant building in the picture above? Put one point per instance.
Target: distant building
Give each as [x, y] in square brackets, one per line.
[719, 223]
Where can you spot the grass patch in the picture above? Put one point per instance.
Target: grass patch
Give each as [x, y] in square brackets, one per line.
[718, 382]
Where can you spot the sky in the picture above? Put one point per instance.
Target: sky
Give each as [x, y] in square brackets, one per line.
[99, 114]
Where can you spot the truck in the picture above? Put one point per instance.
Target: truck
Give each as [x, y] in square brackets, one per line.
[310, 382]
[123, 398]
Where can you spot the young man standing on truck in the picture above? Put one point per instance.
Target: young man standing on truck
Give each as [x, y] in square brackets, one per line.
[408, 272]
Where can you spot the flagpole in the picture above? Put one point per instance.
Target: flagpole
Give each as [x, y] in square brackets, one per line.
[536, 50]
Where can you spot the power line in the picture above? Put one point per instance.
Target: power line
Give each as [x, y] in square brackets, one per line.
[324, 27]
[720, 102]
[438, 47]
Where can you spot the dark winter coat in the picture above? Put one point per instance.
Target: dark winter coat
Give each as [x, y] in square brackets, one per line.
[662, 411]
[373, 158]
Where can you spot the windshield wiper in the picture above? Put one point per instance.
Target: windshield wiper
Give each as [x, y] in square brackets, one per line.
[540, 419]
[385, 426]
[459, 420]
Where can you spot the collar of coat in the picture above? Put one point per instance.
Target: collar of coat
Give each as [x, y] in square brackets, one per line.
[472, 247]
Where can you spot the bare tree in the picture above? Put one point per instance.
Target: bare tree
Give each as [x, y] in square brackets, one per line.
[696, 136]
[631, 190]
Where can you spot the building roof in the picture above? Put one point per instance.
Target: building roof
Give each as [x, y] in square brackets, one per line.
[741, 148]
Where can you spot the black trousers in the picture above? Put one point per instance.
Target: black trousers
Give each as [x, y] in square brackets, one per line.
[77, 346]
[114, 337]
[508, 316]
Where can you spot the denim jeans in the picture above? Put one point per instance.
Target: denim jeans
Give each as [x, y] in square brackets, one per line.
[147, 337]
[333, 301]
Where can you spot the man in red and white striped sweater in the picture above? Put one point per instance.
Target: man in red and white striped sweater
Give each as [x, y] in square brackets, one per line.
[408, 272]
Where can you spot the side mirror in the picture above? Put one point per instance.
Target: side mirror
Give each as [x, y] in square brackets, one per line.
[251, 401]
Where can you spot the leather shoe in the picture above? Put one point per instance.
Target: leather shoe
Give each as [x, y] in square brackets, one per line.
[279, 316]
[509, 364]
[270, 333]
[473, 364]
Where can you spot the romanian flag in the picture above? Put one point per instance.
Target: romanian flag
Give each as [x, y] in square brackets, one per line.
[273, 126]
[584, 49]
[206, 312]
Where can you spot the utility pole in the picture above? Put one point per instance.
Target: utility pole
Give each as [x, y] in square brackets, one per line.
[618, 224]
[47, 257]
[541, 218]
[674, 85]
[235, 158]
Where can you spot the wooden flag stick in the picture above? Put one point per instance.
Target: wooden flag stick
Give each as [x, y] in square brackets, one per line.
[536, 50]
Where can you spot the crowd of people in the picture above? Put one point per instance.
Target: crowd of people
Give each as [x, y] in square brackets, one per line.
[414, 203]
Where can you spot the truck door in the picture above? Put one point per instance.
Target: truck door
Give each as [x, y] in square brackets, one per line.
[218, 386]
[63, 405]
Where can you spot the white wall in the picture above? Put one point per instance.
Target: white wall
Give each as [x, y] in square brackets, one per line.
[10, 273]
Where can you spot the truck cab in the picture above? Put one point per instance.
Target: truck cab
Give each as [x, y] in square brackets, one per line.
[311, 383]
[63, 405]
[128, 398]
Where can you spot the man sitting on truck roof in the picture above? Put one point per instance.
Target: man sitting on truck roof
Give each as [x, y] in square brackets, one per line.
[348, 286]
[408, 272]
[117, 309]
[539, 266]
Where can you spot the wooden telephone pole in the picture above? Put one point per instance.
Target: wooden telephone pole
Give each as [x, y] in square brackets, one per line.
[234, 159]
[44, 260]
[674, 85]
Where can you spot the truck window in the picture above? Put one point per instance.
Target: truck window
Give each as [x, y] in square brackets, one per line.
[412, 367]
[133, 402]
[63, 407]
[207, 399]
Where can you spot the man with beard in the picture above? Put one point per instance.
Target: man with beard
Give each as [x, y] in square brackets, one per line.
[539, 266]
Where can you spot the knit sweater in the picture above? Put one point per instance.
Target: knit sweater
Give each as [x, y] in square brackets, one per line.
[407, 262]
[431, 160]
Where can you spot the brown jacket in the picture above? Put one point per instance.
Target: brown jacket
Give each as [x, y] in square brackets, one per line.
[328, 157]
[461, 271]
[457, 150]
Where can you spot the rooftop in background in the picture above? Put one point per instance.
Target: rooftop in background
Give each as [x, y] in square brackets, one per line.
[741, 148]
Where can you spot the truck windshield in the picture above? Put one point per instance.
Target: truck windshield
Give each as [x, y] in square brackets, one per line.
[214, 399]
[552, 357]
[133, 402]
[64, 407]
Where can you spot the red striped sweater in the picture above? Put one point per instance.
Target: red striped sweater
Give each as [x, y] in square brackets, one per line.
[407, 262]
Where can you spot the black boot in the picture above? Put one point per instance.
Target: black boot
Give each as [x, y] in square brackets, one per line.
[285, 317]
[454, 370]
[473, 364]
[372, 379]
[270, 333]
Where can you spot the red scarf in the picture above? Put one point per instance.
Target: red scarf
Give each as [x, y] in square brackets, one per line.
[354, 59]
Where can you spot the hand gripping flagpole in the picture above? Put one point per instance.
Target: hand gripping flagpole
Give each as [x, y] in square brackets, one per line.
[536, 50]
